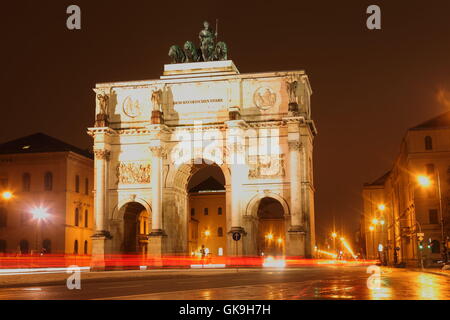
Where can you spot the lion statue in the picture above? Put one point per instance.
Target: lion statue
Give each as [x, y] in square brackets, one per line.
[177, 54]
[221, 51]
[192, 54]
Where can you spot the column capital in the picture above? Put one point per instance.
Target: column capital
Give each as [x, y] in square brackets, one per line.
[102, 154]
[158, 151]
[294, 145]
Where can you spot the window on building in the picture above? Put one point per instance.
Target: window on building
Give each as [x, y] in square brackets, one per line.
[3, 218]
[433, 216]
[86, 186]
[220, 232]
[428, 143]
[435, 246]
[77, 183]
[192, 212]
[85, 247]
[24, 246]
[86, 219]
[77, 217]
[430, 168]
[47, 245]
[48, 181]
[205, 211]
[219, 211]
[26, 182]
[75, 247]
[2, 246]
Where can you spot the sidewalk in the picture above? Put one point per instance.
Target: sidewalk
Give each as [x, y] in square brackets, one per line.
[436, 271]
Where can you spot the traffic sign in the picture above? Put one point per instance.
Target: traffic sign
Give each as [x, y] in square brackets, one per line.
[236, 236]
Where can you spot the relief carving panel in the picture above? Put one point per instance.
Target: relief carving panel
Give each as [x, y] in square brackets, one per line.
[133, 173]
[266, 166]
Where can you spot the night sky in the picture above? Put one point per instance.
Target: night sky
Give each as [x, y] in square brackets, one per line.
[369, 86]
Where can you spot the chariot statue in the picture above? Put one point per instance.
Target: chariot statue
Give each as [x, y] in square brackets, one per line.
[209, 49]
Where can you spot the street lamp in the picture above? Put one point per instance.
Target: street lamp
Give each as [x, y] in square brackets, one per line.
[7, 195]
[334, 236]
[39, 214]
[269, 236]
[372, 229]
[425, 182]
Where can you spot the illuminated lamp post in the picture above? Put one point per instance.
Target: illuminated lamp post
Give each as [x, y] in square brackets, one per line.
[334, 236]
[425, 181]
[39, 214]
[372, 229]
[7, 195]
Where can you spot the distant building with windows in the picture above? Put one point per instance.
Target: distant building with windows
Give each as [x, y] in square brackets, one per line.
[401, 221]
[51, 208]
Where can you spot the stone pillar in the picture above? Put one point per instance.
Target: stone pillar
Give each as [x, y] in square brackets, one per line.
[157, 237]
[236, 163]
[296, 234]
[101, 236]
[294, 165]
[101, 159]
[157, 194]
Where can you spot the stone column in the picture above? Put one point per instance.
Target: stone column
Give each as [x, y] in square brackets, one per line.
[296, 234]
[101, 160]
[157, 194]
[294, 164]
[157, 238]
[236, 163]
[101, 236]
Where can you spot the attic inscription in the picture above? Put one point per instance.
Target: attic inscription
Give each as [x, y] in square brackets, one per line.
[198, 101]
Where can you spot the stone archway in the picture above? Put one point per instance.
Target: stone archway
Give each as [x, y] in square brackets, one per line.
[136, 221]
[271, 228]
[205, 211]
[267, 220]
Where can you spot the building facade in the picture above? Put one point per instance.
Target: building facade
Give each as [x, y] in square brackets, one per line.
[51, 204]
[403, 220]
[252, 132]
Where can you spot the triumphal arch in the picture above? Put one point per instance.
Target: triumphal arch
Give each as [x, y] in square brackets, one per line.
[205, 158]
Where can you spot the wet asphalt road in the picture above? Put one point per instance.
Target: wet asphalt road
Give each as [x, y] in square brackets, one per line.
[290, 284]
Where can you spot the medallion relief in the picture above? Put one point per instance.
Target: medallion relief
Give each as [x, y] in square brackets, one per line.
[264, 98]
[131, 107]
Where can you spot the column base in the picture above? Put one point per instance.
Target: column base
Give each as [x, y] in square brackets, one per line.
[99, 249]
[295, 242]
[236, 248]
[156, 247]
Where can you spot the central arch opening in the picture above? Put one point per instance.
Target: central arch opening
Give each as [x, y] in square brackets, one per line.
[135, 228]
[207, 211]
